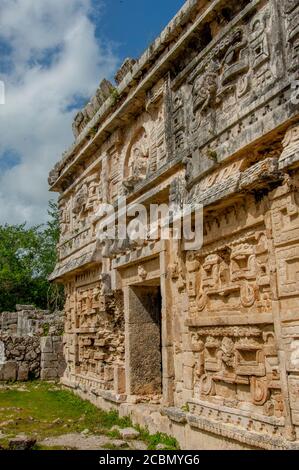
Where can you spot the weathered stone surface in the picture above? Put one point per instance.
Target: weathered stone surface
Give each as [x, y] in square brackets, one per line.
[129, 433]
[10, 371]
[21, 443]
[23, 373]
[160, 447]
[20, 308]
[49, 374]
[138, 445]
[23, 344]
[194, 331]
[46, 344]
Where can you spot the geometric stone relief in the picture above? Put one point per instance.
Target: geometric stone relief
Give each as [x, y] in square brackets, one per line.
[76, 214]
[233, 280]
[291, 14]
[259, 39]
[198, 121]
[83, 117]
[155, 106]
[290, 154]
[240, 63]
[285, 219]
[288, 271]
[137, 160]
[95, 324]
[294, 397]
[294, 355]
[238, 367]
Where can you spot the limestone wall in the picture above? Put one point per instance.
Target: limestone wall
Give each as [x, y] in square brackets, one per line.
[94, 333]
[208, 336]
[52, 363]
[21, 359]
[27, 320]
[25, 351]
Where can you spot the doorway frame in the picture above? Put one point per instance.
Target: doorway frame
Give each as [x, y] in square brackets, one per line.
[127, 277]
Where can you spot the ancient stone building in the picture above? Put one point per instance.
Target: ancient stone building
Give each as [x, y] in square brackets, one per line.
[203, 344]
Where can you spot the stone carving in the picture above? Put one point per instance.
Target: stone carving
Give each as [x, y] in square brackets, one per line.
[259, 43]
[137, 160]
[206, 116]
[231, 360]
[223, 74]
[290, 154]
[205, 89]
[83, 117]
[291, 10]
[94, 329]
[53, 175]
[231, 281]
[124, 70]
[80, 200]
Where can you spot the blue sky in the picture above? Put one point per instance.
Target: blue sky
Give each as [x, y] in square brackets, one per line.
[53, 54]
[134, 24]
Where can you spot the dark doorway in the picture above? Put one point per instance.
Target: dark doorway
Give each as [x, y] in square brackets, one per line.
[144, 357]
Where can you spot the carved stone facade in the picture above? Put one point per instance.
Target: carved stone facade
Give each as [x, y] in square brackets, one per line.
[201, 344]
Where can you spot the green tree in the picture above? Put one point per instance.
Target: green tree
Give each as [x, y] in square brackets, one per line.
[27, 258]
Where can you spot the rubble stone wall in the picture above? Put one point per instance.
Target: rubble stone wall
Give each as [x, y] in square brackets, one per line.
[21, 358]
[25, 352]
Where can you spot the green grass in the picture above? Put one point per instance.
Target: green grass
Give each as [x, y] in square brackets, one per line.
[34, 412]
[42, 447]
[152, 440]
[48, 410]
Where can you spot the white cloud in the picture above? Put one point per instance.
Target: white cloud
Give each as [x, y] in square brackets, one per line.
[54, 56]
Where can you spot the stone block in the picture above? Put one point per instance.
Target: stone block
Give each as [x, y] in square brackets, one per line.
[188, 375]
[61, 366]
[141, 301]
[189, 359]
[108, 373]
[46, 344]
[57, 347]
[129, 433]
[49, 356]
[23, 372]
[119, 380]
[49, 364]
[20, 308]
[49, 374]
[10, 371]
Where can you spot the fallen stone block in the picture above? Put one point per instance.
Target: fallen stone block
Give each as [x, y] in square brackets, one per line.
[129, 433]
